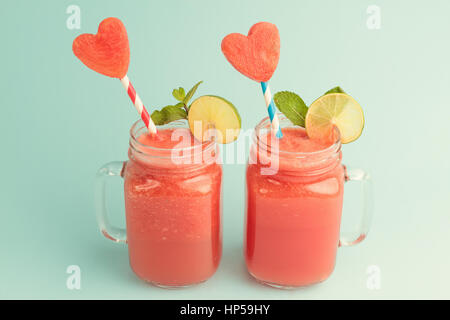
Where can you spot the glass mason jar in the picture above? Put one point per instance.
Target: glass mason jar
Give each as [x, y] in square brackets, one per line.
[173, 208]
[294, 205]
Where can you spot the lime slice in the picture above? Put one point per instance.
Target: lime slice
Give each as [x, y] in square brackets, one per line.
[335, 109]
[211, 112]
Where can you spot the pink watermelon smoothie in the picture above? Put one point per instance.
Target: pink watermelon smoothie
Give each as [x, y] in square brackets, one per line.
[173, 214]
[293, 216]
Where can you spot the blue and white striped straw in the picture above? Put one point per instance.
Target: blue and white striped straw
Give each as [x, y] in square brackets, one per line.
[271, 109]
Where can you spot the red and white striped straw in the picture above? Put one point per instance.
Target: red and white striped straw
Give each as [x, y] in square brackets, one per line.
[138, 104]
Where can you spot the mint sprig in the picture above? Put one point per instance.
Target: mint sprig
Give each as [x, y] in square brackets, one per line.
[178, 111]
[293, 107]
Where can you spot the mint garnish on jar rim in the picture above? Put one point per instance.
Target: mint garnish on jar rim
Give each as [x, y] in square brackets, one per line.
[177, 111]
[334, 109]
[293, 107]
[205, 114]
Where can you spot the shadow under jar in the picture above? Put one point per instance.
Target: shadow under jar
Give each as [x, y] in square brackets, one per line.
[172, 203]
[295, 189]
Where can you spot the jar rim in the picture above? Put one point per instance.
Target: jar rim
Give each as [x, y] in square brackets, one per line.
[286, 123]
[139, 128]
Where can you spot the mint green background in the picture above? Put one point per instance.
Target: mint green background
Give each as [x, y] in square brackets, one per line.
[60, 122]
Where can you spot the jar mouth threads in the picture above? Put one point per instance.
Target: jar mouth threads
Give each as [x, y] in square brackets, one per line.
[139, 128]
[187, 155]
[264, 126]
[272, 158]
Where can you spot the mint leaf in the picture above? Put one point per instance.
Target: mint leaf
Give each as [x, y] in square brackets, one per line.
[191, 92]
[335, 90]
[179, 94]
[158, 118]
[292, 106]
[172, 113]
[168, 114]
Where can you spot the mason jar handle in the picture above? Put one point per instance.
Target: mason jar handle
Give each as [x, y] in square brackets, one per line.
[109, 170]
[350, 239]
